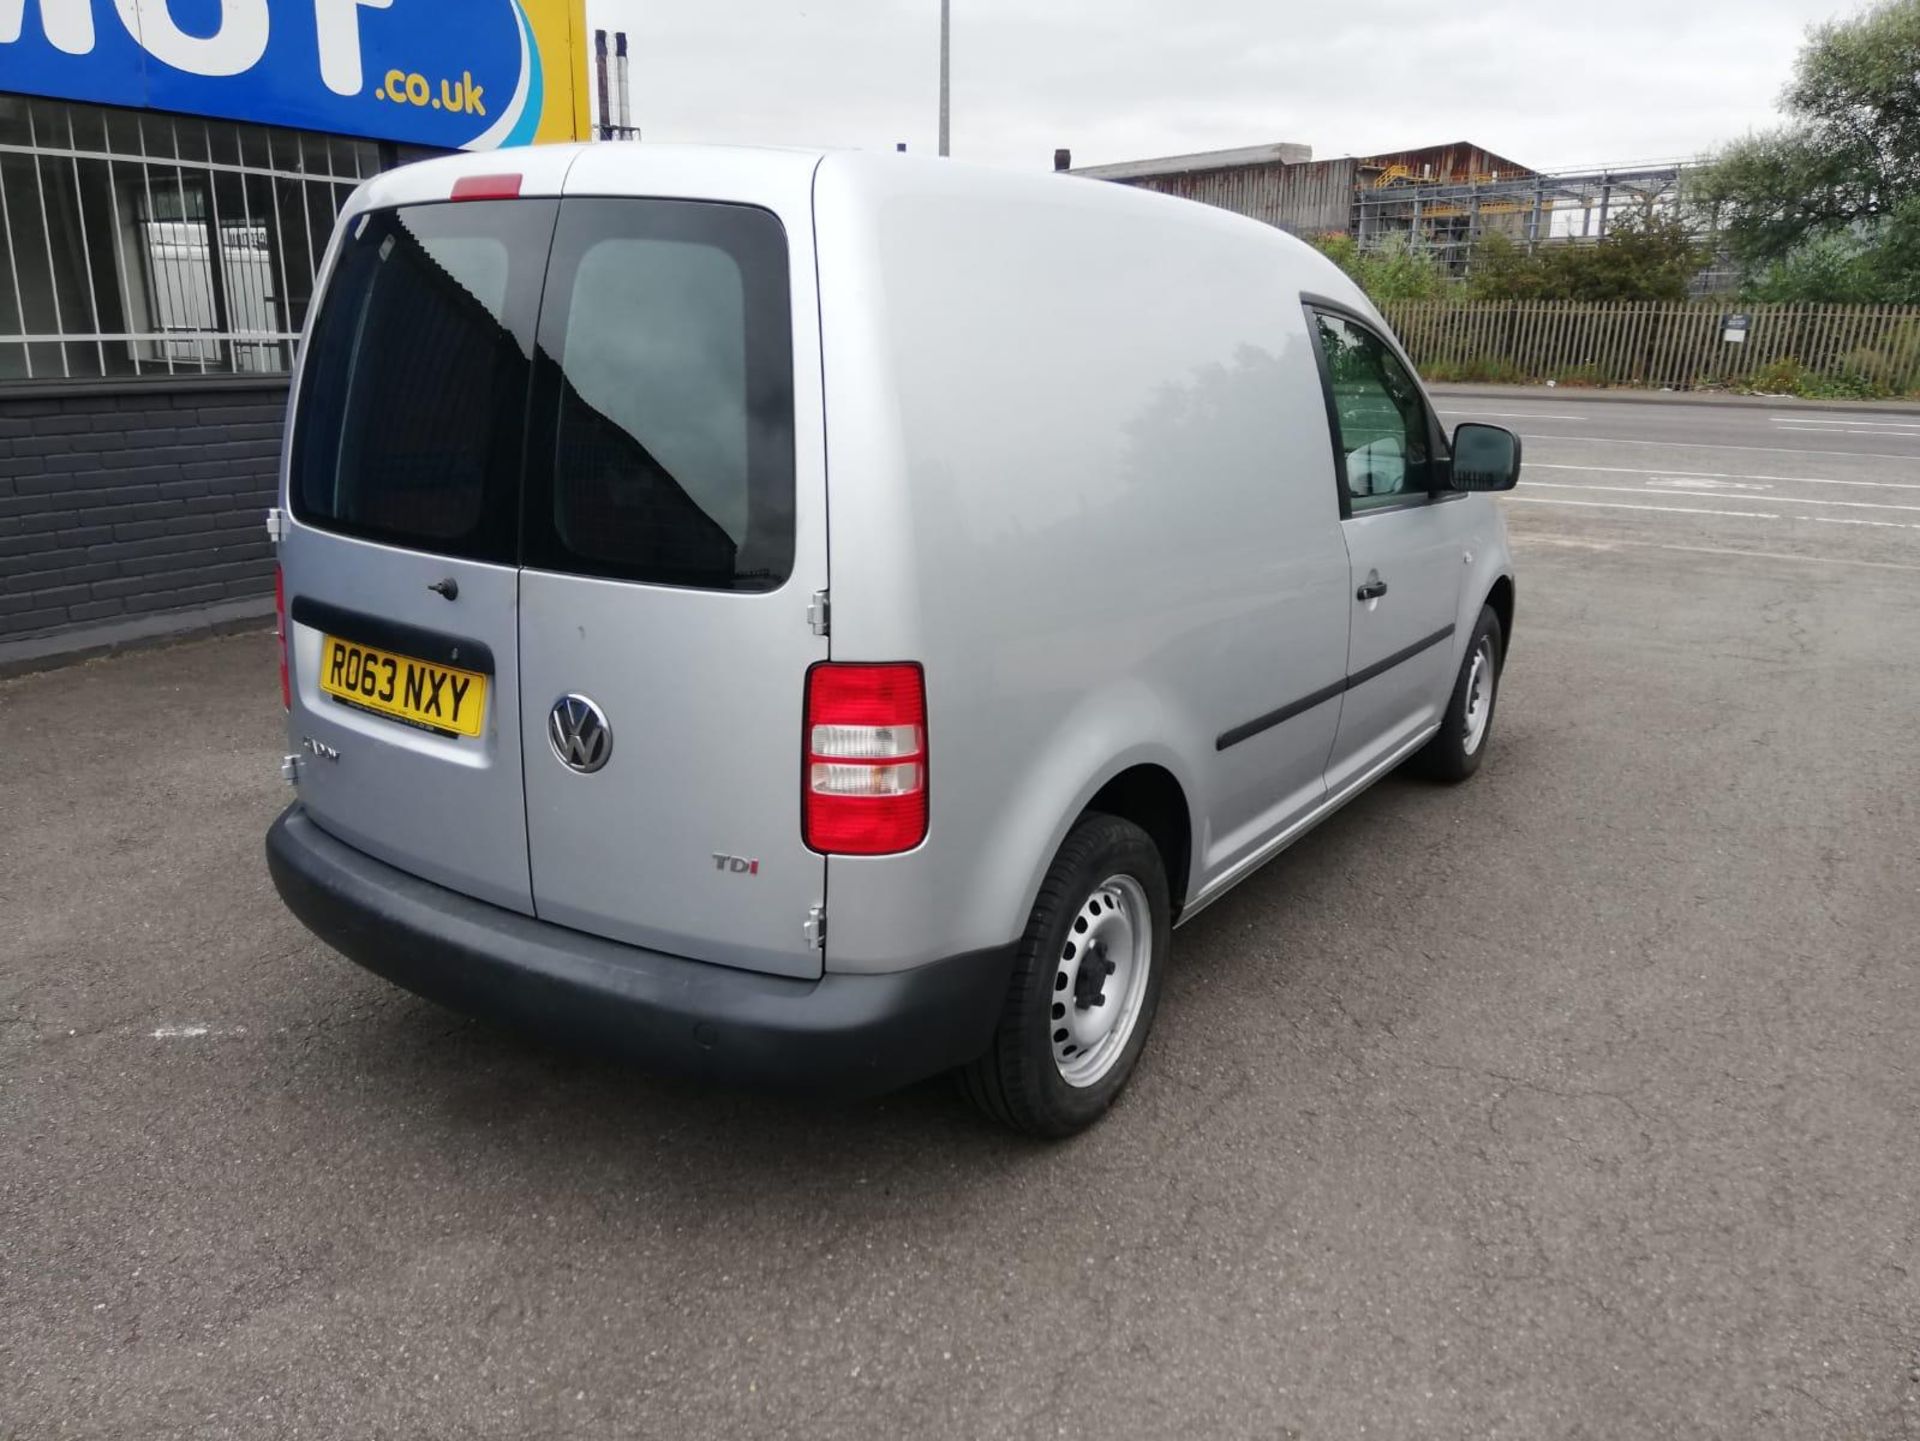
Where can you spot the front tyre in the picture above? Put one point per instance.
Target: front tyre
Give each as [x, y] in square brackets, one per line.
[1454, 752]
[1085, 986]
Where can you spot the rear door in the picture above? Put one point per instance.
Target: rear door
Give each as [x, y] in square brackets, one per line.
[400, 565]
[1406, 545]
[674, 539]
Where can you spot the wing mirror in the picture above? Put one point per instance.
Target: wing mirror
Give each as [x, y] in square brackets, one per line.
[1485, 457]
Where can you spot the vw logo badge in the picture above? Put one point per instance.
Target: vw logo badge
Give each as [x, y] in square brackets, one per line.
[578, 731]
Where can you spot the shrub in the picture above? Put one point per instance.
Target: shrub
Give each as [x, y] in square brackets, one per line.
[1588, 377]
[1646, 254]
[1778, 377]
[1482, 370]
[1894, 364]
[1788, 376]
[1398, 268]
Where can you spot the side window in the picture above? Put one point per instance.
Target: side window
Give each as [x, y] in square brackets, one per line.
[1383, 437]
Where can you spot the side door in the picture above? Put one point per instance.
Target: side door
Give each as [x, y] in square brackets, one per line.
[675, 536]
[1408, 543]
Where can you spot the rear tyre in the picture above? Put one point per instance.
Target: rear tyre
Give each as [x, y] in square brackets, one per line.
[1455, 751]
[1085, 986]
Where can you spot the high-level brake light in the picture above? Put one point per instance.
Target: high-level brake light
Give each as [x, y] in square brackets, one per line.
[486, 187]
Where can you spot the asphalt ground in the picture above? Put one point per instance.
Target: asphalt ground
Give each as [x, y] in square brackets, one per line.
[1579, 1101]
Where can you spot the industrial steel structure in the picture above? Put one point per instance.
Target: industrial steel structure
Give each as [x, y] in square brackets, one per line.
[1443, 197]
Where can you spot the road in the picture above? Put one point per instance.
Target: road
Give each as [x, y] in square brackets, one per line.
[1755, 477]
[1579, 1101]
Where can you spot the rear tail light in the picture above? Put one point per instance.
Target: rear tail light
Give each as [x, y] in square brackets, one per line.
[280, 634]
[866, 750]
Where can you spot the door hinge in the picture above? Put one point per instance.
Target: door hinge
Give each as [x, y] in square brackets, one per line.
[815, 930]
[820, 613]
[276, 525]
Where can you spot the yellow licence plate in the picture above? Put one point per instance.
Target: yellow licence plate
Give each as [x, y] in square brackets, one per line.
[435, 697]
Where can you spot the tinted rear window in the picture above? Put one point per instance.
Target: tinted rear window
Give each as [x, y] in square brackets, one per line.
[647, 436]
[667, 380]
[414, 396]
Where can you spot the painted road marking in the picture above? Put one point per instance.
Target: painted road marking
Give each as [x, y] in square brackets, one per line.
[1698, 485]
[1510, 415]
[1629, 505]
[1703, 445]
[1696, 510]
[1525, 538]
[1771, 499]
[1720, 475]
[1836, 420]
[1798, 426]
[1701, 510]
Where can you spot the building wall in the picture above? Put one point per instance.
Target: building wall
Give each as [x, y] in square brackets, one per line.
[134, 499]
[1309, 199]
[155, 273]
[1449, 190]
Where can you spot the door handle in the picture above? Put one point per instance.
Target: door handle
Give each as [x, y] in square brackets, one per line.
[1372, 590]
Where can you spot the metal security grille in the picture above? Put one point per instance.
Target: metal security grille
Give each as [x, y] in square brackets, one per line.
[136, 243]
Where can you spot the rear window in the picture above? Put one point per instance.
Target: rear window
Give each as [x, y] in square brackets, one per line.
[414, 396]
[635, 423]
[667, 379]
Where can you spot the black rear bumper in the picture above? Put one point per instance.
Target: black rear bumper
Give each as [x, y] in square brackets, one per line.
[842, 1034]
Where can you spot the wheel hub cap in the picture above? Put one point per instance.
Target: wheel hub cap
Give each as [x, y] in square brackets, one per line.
[1090, 986]
[1479, 696]
[1100, 979]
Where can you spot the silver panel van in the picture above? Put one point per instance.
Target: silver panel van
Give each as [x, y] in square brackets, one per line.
[822, 620]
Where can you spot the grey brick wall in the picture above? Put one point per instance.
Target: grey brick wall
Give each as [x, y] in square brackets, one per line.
[133, 499]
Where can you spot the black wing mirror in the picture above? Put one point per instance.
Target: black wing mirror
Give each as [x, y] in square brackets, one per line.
[1485, 457]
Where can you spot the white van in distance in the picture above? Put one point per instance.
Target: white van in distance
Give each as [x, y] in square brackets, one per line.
[824, 620]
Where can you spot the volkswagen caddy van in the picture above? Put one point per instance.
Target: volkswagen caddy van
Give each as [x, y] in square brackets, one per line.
[822, 620]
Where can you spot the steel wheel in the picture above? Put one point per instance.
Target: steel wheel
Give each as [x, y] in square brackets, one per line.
[1101, 979]
[1480, 678]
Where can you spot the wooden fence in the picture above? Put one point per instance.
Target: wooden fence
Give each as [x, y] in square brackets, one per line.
[1654, 344]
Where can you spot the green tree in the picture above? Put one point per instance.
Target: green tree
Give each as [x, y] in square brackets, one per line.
[1646, 254]
[1501, 270]
[1395, 269]
[1828, 207]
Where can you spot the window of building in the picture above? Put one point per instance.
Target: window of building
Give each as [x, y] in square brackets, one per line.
[137, 243]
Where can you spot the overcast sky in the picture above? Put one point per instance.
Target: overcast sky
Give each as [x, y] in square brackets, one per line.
[1548, 83]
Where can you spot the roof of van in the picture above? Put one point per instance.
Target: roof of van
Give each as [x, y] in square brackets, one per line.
[875, 175]
[888, 173]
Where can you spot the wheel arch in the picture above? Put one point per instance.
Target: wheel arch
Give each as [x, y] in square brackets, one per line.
[1151, 797]
[1500, 597]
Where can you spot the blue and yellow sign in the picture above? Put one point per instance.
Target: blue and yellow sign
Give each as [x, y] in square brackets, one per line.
[455, 74]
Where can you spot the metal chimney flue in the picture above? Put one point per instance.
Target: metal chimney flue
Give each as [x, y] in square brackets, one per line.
[1063, 159]
[946, 75]
[625, 98]
[600, 78]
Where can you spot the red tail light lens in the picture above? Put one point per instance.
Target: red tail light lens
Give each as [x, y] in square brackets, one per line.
[866, 750]
[486, 187]
[280, 634]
